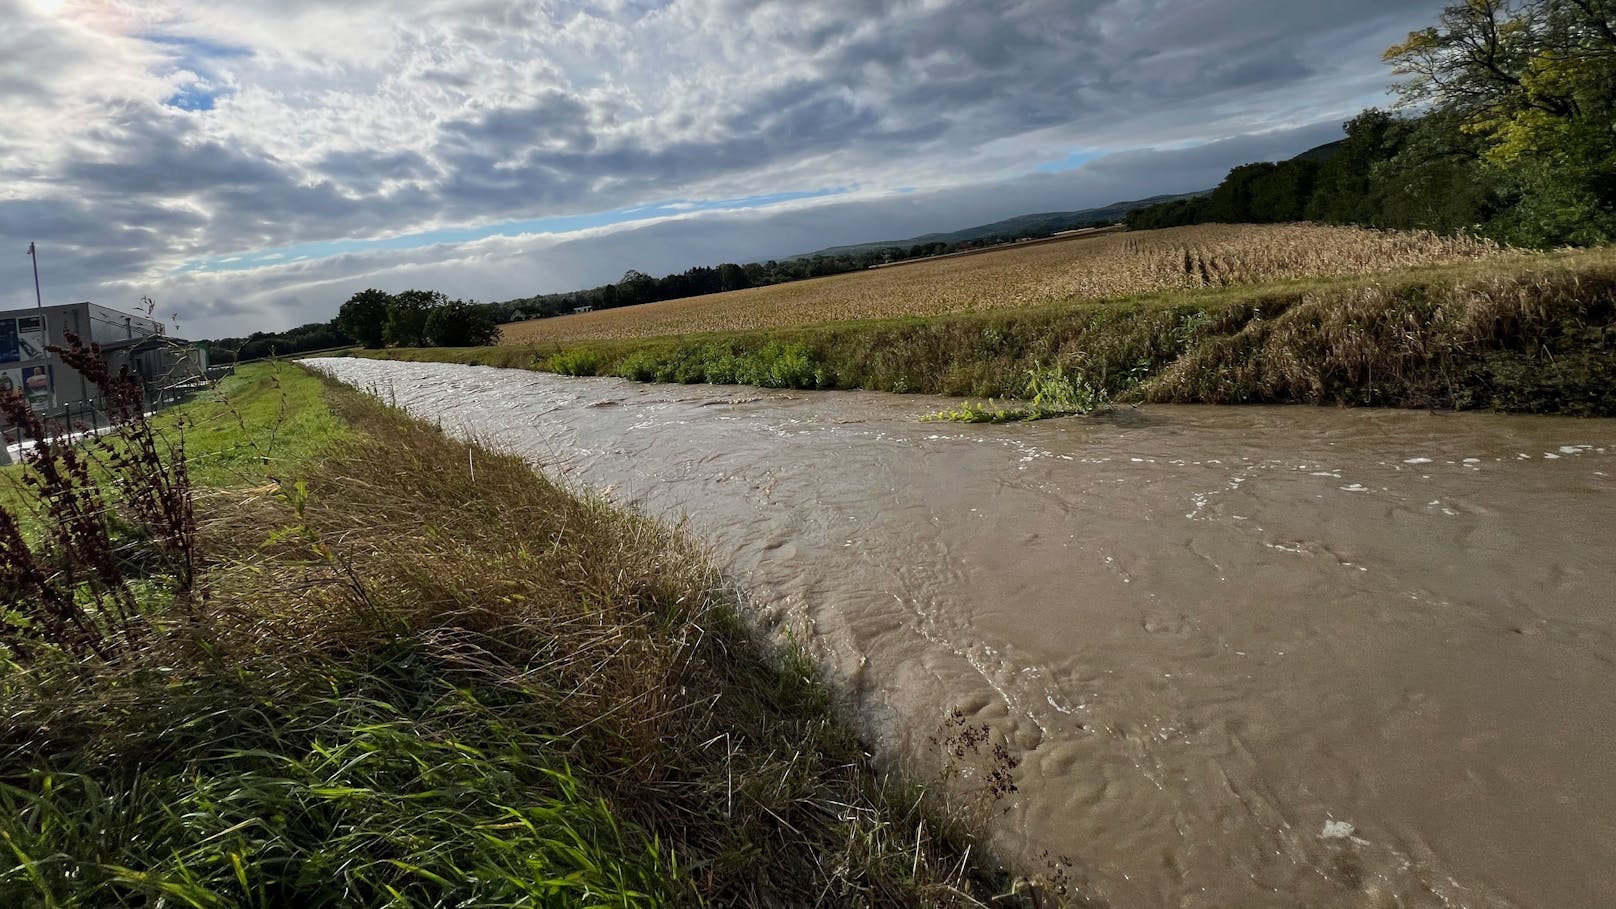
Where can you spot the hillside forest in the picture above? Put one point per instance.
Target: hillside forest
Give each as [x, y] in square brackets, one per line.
[1506, 129]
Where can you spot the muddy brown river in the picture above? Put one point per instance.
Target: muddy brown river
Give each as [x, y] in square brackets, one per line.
[1248, 657]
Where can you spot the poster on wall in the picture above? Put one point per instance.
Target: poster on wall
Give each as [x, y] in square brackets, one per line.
[31, 337]
[8, 341]
[36, 384]
[10, 380]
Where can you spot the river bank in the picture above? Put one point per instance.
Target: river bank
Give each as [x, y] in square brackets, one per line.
[414, 671]
[1254, 656]
[1526, 334]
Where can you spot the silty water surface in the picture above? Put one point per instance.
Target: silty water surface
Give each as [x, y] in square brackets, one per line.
[1252, 656]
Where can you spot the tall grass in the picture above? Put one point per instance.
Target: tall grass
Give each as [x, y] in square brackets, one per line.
[1539, 340]
[397, 779]
[114, 520]
[420, 674]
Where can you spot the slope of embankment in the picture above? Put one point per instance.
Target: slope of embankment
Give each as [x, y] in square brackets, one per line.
[410, 671]
[1222, 315]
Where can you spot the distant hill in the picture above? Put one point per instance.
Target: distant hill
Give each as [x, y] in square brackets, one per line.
[1034, 225]
[1323, 153]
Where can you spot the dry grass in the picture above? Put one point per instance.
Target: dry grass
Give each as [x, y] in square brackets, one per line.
[615, 630]
[1539, 340]
[1533, 333]
[423, 675]
[1105, 267]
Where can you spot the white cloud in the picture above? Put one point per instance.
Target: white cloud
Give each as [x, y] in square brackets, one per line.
[145, 134]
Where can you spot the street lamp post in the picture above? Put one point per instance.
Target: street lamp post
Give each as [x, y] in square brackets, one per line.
[39, 302]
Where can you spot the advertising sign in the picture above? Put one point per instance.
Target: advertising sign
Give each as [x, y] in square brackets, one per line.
[36, 384]
[31, 337]
[8, 341]
[10, 380]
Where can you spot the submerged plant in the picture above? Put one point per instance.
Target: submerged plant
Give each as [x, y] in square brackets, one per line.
[1050, 392]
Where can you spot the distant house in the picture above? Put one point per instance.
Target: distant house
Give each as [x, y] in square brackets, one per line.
[585, 308]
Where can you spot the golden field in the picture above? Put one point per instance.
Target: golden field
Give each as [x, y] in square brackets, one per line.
[1108, 266]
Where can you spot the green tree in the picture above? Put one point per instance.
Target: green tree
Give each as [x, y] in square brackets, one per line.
[364, 317]
[407, 314]
[1535, 81]
[1435, 180]
[1264, 191]
[732, 277]
[636, 287]
[460, 324]
[1341, 194]
[1283, 195]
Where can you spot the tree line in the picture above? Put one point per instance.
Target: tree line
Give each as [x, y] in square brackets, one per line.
[375, 318]
[1514, 138]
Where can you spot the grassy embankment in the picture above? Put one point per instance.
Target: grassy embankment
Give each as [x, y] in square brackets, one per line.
[414, 672]
[1229, 315]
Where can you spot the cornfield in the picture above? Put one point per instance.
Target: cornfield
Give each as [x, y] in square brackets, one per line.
[1108, 266]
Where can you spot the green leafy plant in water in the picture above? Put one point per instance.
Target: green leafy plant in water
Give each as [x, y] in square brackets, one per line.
[1050, 392]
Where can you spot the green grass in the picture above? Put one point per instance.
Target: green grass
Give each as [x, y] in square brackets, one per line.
[422, 675]
[1529, 334]
[1049, 392]
[268, 413]
[396, 780]
[267, 416]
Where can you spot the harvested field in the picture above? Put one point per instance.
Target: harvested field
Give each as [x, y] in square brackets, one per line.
[1109, 266]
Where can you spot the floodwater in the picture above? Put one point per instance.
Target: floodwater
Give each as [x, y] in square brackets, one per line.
[1249, 657]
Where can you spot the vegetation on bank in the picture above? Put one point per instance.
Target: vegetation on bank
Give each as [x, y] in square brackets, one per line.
[1531, 334]
[410, 671]
[1049, 392]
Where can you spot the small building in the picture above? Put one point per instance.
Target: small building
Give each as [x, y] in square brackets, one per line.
[160, 362]
[585, 308]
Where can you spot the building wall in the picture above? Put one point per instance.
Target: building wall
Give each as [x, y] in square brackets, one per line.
[50, 383]
[108, 325]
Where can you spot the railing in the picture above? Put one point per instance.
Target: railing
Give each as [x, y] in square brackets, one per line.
[85, 418]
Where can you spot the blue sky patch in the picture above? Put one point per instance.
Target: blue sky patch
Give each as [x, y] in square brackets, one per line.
[1077, 158]
[194, 98]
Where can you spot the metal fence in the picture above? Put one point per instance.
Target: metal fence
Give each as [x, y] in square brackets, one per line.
[85, 418]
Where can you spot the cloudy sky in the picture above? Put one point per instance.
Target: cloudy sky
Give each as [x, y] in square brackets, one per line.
[251, 164]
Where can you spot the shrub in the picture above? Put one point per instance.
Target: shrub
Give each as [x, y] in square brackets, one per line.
[574, 362]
